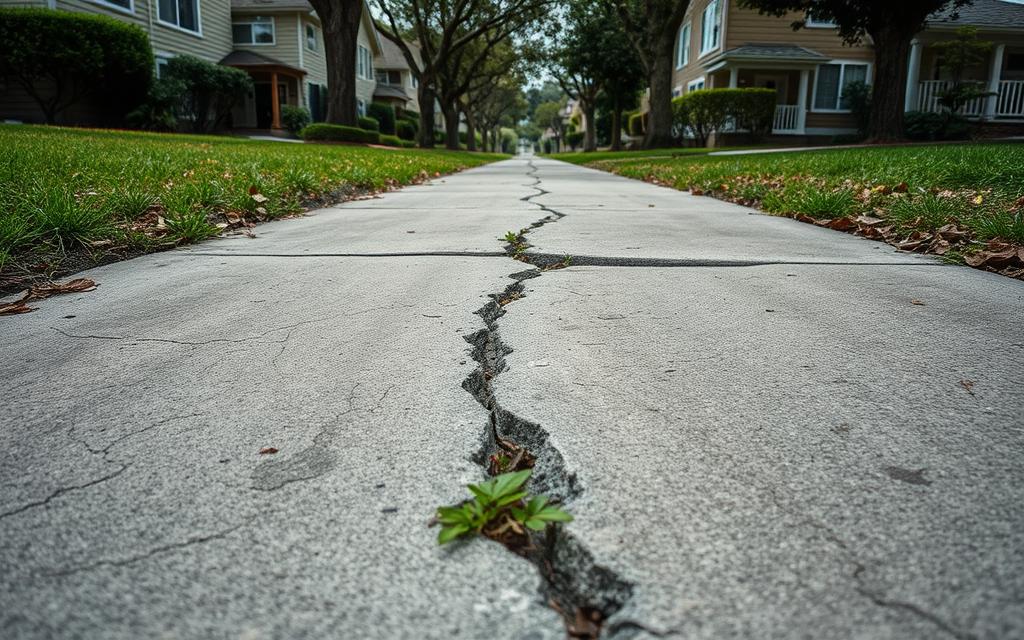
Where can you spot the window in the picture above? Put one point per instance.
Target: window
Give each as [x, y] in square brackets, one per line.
[183, 14]
[695, 85]
[121, 5]
[677, 91]
[816, 23]
[161, 65]
[683, 53]
[253, 30]
[710, 28]
[414, 82]
[311, 37]
[360, 108]
[364, 63]
[831, 80]
[389, 77]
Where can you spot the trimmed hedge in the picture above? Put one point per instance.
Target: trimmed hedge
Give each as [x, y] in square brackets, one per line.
[321, 131]
[384, 114]
[706, 111]
[395, 141]
[67, 57]
[368, 123]
[405, 130]
[574, 139]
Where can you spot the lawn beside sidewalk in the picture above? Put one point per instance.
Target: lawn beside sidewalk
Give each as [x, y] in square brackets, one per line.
[73, 198]
[962, 201]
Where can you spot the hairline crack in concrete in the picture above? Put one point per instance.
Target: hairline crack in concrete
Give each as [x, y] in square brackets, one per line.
[572, 582]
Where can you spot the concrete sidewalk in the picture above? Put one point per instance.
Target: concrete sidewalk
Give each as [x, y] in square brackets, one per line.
[757, 430]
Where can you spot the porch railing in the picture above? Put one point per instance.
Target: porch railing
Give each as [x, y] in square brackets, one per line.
[787, 117]
[1009, 100]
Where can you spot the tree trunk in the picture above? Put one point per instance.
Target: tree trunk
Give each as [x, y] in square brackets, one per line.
[889, 87]
[451, 125]
[426, 98]
[590, 124]
[340, 24]
[616, 123]
[659, 125]
[470, 130]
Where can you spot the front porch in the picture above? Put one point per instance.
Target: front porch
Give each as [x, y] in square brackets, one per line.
[275, 84]
[1001, 75]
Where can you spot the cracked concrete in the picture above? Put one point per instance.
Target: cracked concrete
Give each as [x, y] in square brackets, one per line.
[771, 443]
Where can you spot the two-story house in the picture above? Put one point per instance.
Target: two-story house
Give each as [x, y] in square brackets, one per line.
[722, 45]
[277, 42]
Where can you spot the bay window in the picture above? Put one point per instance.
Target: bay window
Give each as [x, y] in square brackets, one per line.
[710, 27]
[683, 53]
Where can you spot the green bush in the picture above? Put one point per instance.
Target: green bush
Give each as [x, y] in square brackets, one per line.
[159, 112]
[509, 140]
[384, 114]
[927, 126]
[405, 130]
[338, 133]
[62, 58]
[211, 90]
[706, 111]
[752, 109]
[547, 145]
[637, 124]
[368, 123]
[857, 96]
[395, 141]
[574, 139]
[294, 119]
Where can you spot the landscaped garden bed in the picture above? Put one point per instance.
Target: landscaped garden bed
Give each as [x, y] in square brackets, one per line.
[964, 202]
[74, 198]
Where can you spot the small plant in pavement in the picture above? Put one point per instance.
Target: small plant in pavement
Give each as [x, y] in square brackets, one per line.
[499, 507]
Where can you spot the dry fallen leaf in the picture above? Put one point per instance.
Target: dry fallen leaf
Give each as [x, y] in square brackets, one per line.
[16, 307]
[917, 302]
[968, 385]
[259, 197]
[267, 451]
[42, 291]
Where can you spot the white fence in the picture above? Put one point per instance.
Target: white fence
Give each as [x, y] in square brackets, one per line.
[787, 117]
[1009, 101]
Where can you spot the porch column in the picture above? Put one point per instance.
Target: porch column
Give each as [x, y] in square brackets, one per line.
[801, 101]
[734, 78]
[913, 76]
[275, 106]
[994, 76]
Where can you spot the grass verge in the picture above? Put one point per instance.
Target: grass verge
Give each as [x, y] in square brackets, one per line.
[75, 198]
[964, 201]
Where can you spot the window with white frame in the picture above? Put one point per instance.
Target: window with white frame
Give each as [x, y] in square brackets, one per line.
[253, 30]
[822, 23]
[364, 63]
[121, 5]
[677, 91]
[683, 52]
[183, 14]
[311, 37]
[161, 65]
[710, 27]
[695, 85]
[830, 84]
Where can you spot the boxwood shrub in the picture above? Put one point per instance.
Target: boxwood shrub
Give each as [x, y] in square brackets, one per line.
[405, 130]
[384, 114]
[368, 123]
[321, 131]
[395, 141]
[64, 58]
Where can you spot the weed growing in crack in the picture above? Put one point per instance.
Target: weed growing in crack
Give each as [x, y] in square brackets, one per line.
[500, 510]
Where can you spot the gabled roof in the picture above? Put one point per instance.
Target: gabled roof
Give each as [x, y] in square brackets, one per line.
[768, 52]
[390, 91]
[391, 56]
[256, 61]
[996, 14]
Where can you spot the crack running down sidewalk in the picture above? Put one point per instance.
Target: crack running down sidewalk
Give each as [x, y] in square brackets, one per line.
[582, 591]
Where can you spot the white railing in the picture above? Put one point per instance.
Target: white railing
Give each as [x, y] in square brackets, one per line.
[1010, 102]
[787, 117]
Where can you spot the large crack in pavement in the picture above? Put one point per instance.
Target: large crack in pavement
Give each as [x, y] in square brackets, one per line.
[585, 593]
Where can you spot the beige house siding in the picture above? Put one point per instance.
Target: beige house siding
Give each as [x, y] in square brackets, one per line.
[365, 87]
[746, 26]
[212, 43]
[286, 44]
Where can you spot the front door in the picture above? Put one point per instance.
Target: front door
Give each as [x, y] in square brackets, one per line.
[779, 82]
[264, 110]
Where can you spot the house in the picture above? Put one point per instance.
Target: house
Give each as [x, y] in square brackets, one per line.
[277, 42]
[722, 45]
[396, 83]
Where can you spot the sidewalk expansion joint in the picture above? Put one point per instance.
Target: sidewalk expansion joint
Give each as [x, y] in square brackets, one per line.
[585, 593]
